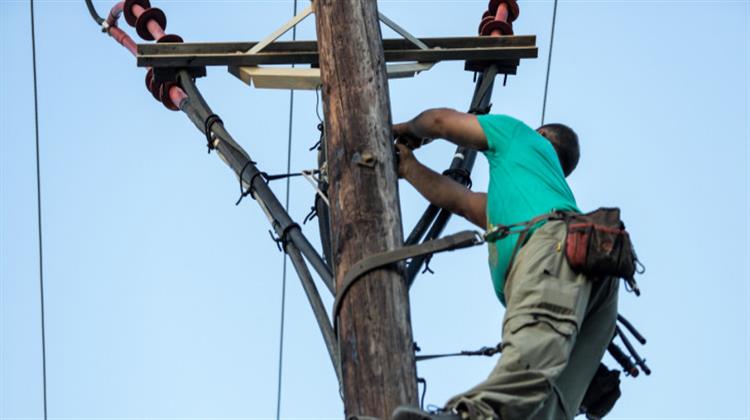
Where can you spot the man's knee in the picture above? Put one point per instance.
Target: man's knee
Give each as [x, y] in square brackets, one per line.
[537, 342]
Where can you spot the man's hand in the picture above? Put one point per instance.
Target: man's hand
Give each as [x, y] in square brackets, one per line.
[459, 128]
[441, 190]
[404, 134]
[406, 159]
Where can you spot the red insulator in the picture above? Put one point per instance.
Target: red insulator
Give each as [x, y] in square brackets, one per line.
[177, 95]
[165, 97]
[512, 8]
[487, 13]
[151, 23]
[497, 28]
[152, 85]
[132, 15]
[120, 36]
[485, 21]
[170, 38]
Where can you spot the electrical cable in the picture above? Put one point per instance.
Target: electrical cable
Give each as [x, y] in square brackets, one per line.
[286, 207]
[549, 60]
[39, 214]
[92, 11]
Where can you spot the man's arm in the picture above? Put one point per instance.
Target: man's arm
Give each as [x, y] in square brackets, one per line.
[457, 127]
[441, 190]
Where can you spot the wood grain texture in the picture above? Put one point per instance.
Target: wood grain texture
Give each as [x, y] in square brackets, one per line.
[375, 340]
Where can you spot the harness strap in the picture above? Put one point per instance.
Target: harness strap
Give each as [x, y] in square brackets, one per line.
[523, 228]
[458, 240]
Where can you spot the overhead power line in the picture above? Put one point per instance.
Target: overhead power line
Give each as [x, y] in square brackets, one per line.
[549, 60]
[286, 207]
[39, 213]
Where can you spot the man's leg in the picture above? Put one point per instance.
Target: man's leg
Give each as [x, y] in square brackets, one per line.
[594, 337]
[546, 305]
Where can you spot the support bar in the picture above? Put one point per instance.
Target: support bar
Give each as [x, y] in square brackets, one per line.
[281, 31]
[507, 49]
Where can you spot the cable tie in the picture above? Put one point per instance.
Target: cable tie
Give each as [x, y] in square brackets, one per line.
[285, 233]
[276, 240]
[210, 121]
[313, 213]
[243, 192]
[427, 268]
[282, 240]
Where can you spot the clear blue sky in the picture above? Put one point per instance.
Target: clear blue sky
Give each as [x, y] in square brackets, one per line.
[163, 298]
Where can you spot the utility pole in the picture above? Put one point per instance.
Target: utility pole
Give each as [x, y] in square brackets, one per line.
[374, 328]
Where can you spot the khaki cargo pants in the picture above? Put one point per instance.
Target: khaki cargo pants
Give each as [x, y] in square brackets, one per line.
[556, 328]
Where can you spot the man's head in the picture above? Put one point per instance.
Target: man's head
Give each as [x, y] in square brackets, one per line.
[565, 142]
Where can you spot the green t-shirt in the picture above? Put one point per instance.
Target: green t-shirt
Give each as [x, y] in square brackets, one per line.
[526, 180]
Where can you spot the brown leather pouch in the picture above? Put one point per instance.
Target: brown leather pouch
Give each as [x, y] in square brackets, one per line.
[598, 244]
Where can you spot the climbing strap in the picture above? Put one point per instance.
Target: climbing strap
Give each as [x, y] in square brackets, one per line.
[464, 239]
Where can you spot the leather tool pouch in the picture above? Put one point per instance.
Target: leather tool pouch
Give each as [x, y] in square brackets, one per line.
[598, 245]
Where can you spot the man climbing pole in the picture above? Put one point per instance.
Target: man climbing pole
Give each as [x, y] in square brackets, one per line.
[557, 322]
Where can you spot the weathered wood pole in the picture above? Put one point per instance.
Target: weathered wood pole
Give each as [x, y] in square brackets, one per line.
[375, 339]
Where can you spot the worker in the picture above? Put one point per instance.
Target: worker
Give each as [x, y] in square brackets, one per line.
[557, 322]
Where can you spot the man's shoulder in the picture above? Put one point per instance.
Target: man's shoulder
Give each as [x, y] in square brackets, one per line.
[499, 119]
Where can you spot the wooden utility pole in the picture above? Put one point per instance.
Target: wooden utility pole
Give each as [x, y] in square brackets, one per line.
[375, 339]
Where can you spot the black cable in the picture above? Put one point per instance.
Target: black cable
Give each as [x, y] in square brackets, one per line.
[286, 207]
[422, 381]
[39, 213]
[92, 11]
[549, 60]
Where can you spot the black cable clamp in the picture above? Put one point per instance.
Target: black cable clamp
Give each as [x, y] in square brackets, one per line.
[459, 174]
[480, 110]
[427, 268]
[283, 239]
[313, 213]
[243, 192]
[317, 145]
[210, 121]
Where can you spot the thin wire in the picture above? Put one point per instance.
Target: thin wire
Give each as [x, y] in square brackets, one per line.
[549, 59]
[286, 207]
[39, 214]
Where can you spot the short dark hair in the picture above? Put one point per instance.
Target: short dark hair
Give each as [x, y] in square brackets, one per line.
[565, 142]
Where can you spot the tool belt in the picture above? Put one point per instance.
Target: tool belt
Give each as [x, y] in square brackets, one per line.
[596, 243]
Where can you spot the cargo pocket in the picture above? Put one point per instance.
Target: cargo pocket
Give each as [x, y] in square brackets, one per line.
[545, 288]
[537, 345]
[564, 327]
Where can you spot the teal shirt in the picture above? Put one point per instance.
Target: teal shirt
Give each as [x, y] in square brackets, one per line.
[526, 180]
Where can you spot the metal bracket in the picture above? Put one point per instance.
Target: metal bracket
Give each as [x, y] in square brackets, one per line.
[281, 30]
[292, 78]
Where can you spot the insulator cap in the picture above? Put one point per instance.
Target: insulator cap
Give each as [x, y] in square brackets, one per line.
[505, 28]
[152, 85]
[170, 38]
[164, 96]
[485, 21]
[127, 10]
[141, 24]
